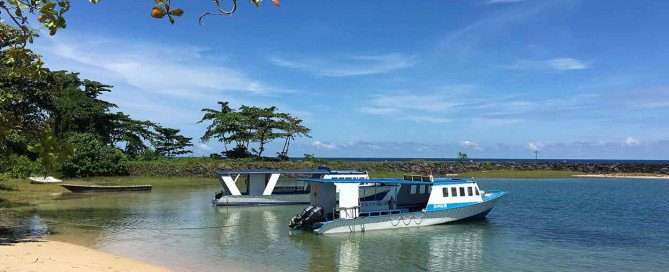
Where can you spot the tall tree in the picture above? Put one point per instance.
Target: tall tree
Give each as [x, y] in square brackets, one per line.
[228, 126]
[251, 125]
[132, 134]
[168, 142]
[264, 123]
[292, 127]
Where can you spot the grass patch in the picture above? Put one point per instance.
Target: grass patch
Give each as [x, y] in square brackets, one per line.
[155, 181]
[520, 174]
[26, 194]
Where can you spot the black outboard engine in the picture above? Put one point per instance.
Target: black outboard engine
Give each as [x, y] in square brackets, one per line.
[307, 219]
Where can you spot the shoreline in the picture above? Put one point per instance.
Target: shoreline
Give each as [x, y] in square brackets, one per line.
[56, 256]
[622, 176]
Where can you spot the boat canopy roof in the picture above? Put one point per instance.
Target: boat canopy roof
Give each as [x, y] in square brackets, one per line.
[313, 171]
[390, 181]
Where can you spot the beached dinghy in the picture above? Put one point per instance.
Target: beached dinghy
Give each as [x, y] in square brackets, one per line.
[106, 188]
[348, 206]
[44, 180]
[253, 187]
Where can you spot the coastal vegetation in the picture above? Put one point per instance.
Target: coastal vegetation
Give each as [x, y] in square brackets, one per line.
[54, 122]
[249, 129]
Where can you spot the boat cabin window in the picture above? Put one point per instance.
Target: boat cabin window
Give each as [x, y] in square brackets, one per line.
[477, 190]
[422, 189]
[462, 191]
[470, 192]
[413, 189]
[445, 191]
[454, 191]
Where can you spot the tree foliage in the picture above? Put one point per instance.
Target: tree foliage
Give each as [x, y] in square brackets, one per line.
[169, 143]
[40, 109]
[51, 152]
[51, 13]
[250, 128]
[92, 157]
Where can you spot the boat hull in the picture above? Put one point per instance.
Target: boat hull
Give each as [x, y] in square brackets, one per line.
[409, 219]
[101, 188]
[44, 180]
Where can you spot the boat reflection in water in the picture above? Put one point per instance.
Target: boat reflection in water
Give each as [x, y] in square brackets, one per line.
[457, 247]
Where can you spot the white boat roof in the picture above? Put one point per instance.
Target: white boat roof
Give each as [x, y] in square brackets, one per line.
[391, 181]
[314, 171]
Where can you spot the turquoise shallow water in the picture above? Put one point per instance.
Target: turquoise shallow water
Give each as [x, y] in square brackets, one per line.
[541, 225]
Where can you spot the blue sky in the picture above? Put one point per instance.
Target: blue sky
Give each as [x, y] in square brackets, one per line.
[492, 78]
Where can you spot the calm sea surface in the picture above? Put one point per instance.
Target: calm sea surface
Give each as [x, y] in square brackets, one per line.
[542, 225]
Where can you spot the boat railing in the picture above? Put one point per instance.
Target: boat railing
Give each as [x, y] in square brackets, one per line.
[356, 211]
[290, 189]
[379, 213]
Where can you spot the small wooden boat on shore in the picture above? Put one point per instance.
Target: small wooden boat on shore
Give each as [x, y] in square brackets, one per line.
[44, 180]
[75, 188]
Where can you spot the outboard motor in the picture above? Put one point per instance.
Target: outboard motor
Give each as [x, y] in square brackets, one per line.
[307, 218]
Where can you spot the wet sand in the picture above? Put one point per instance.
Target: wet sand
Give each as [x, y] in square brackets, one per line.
[57, 256]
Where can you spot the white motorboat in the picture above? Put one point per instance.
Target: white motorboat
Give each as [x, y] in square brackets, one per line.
[348, 206]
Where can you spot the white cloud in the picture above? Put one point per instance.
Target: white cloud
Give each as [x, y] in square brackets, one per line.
[557, 64]
[203, 146]
[319, 144]
[347, 66]
[470, 145]
[465, 40]
[463, 103]
[375, 110]
[427, 119]
[178, 70]
[535, 146]
[564, 64]
[632, 141]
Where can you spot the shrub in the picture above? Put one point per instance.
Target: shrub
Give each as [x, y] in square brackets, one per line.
[4, 186]
[94, 158]
[238, 152]
[21, 167]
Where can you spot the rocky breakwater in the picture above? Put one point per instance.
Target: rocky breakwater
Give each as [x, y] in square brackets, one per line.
[455, 167]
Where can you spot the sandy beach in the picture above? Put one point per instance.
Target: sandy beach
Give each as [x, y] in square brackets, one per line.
[54, 256]
[623, 176]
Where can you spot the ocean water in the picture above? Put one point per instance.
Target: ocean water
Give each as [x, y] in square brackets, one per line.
[541, 225]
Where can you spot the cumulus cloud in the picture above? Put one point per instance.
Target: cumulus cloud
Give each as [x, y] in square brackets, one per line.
[347, 66]
[535, 146]
[632, 141]
[470, 145]
[319, 144]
